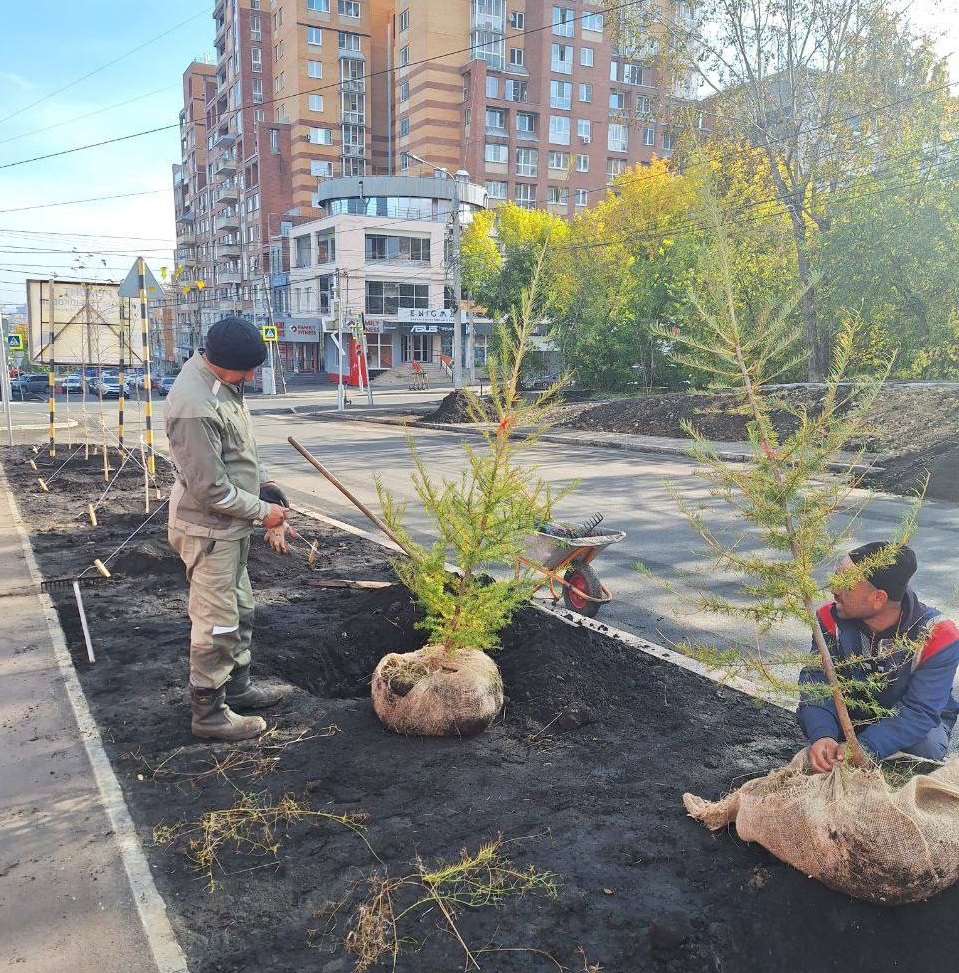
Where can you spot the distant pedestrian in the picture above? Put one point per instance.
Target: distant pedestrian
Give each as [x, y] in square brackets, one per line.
[897, 659]
[221, 494]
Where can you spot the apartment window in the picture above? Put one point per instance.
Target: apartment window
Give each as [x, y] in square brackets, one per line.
[669, 141]
[380, 247]
[321, 168]
[404, 20]
[585, 93]
[279, 82]
[496, 120]
[525, 195]
[563, 21]
[616, 138]
[318, 6]
[348, 8]
[559, 130]
[559, 161]
[321, 136]
[278, 51]
[256, 56]
[586, 57]
[315, 102]
[256, 31]
[561, 58]
[314, 36]
[527, 162]
[516, 57]
[386, 297]
[633, 74]
[561, 94]
[614, 70]
[492, 86]
[257, 91]
[593, 22]
[405, 91]
[580, 197]
[351, 42]
[617, 100]
[649, 135]
[615, 167]
[496, 153]
[516, 91]
[354, 135]
[314, 69]
[557, 195]
[275, 141]
[583, 129]
[258, 115]
[404, 127]
[526, 122]
[644, 106]
[496, 188]
[404, 56]
[517, 20]
[582, 163]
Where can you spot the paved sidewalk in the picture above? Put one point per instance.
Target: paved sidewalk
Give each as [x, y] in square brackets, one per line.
[67, 899]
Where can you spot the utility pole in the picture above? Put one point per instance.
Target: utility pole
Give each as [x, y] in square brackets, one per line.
[340, 314]
[5, 384]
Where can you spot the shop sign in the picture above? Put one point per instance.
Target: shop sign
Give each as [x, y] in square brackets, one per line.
[299, 332]
[424, 329]
[418, 315]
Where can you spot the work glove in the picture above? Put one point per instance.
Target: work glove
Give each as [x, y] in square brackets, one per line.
[276, 537]
[271, 493]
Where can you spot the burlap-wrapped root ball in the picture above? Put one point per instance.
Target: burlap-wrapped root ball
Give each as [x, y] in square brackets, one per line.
[430, 693]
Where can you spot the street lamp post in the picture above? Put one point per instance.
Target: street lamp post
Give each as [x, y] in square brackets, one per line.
[457, 270]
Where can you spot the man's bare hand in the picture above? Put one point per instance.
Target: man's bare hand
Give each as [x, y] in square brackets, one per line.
[824, 754]
[275, 517]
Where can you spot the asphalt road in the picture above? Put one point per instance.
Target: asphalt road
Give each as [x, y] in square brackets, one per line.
[632, 490]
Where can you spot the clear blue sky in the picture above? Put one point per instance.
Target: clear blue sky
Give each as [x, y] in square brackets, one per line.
[48, 44]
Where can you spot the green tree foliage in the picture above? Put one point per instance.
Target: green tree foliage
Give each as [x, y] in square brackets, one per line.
[483, 518]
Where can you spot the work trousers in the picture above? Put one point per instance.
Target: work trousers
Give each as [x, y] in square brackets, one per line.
[221, 605]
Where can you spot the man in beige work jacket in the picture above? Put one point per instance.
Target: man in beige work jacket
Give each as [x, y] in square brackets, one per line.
[221, 494]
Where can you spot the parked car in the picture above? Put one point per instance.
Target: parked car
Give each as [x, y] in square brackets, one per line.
[36, 385]
[71, 384]
[165, 384]
[107, 384]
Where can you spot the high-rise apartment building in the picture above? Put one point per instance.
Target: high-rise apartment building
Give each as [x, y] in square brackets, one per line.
[533, 100]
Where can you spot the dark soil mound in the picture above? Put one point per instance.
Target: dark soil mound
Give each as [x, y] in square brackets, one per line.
[455, 409]
[906, 472]
[583, 773]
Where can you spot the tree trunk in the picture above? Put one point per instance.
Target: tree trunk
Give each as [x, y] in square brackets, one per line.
[817, 343]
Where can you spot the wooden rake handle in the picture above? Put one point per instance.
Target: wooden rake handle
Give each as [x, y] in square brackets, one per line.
[320, 468]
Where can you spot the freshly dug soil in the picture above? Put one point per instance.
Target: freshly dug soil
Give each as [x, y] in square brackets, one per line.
[583, 774]
[915, 429]
[455, 408]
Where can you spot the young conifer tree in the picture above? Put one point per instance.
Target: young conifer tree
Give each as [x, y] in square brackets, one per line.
[483, 518]
[797, 486]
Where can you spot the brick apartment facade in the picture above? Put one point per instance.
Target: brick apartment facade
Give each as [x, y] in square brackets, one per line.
[530, 98]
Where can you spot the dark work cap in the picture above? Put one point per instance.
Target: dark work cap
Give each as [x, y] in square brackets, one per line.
[891, 578]
[234, 343]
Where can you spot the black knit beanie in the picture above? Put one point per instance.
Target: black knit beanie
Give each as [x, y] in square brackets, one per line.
[891, 578]
[234, 343]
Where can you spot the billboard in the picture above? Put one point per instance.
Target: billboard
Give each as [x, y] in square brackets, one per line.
[73, 322]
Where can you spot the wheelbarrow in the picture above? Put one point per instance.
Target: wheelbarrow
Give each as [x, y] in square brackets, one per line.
[565, 557]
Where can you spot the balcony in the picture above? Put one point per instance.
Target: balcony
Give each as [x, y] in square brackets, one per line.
[186, 235]
[353, 84]
[279, 280]
[228, 277]
[226, 138]
[225, 165]
[227, 221]
[354, 118]
[228, 250]
[354, 151]
[227, 194]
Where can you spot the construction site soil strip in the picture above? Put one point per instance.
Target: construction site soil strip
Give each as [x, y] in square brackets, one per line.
[583, 774]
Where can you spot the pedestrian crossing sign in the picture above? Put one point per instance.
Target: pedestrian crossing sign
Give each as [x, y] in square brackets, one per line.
[270, 332]
[15, 342]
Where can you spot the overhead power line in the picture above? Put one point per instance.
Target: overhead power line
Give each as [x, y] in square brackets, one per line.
[89, 199]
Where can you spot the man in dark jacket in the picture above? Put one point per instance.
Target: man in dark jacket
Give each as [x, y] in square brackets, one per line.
[898, 657]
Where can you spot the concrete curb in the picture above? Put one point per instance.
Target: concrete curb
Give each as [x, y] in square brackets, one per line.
[163, 944]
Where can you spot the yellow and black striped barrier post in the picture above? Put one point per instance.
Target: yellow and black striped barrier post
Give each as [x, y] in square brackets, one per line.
[52, 378]
[121, 400]
[147, 381]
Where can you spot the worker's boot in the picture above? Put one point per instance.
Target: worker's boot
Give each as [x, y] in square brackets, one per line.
[214, 720]
[241, 694]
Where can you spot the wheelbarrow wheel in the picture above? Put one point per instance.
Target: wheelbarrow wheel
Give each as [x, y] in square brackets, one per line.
[585, 579]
